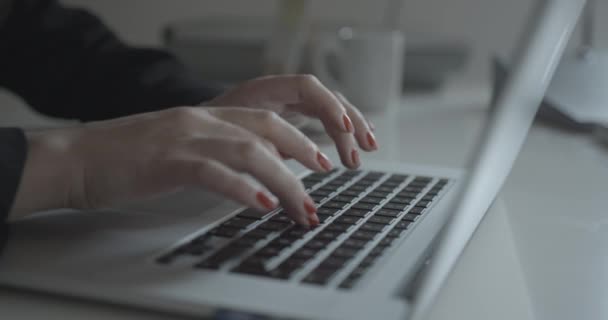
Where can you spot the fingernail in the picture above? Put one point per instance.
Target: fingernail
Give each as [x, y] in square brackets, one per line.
[265, 200]
[324, 161]
[348, 124]
[372, 140]
[309, 206]
[355, 157]
[371, 125]
[313, 220]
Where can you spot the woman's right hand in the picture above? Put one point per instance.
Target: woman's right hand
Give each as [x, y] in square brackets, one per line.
[110, 162]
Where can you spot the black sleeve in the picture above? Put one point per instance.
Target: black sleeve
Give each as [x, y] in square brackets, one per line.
[65, 62]
[13, 154]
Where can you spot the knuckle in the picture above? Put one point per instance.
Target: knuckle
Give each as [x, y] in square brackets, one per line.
[308, 80]
[183, 115]
[248, 149]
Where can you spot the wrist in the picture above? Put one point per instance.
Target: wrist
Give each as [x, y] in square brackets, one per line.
[48, 178]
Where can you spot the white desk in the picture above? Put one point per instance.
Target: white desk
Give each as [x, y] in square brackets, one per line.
[545, 258]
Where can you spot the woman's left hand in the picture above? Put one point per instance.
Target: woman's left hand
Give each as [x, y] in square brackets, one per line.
[305, 94]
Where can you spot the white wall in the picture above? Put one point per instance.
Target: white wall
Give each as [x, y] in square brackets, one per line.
[489, 24]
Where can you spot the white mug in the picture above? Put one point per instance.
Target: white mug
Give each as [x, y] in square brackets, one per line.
[368, 66]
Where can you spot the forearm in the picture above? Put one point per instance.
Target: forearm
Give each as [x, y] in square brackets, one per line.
[66, 63]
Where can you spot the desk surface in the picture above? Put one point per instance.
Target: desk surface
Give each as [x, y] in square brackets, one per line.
[555, 226]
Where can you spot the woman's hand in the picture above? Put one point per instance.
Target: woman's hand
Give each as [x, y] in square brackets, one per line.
[105, 163]
[306, 95]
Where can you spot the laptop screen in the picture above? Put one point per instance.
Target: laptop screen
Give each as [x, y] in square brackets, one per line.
[537, 56]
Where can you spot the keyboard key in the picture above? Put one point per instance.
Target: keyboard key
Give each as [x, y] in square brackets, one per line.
[351, 173]
[380, 220]
[429, 197]
[319, 277]
[408, 194]
[402, 200]
[238, 223]
[296, 232]
[316, 244]
[348, 220]
[281, 217]
[367, 262]
[272, 226]
[395, 233]
[386, 242]
[363, 235]
[385, 189]
[269, 252]
[224, 232]
[327, 210]
[304, 253]
[358, 187]
[390, 184]
[354, 243]
[403, 224]
[387, 213]
[413, 189]
[398, 177]
[372, 200]
[352, 193]
[323, 193]
[244, 242]
[355, 213]
[343, 198]
[341, 228]
[394, 206]
[379, 194]
[372, 227]
[364, 206]
[253, 214]
[332, 263]
[348, 283]
[410, 217]
[323, 217]
[257, 234]
[422, 204]
[377, 251]
[317, 198]
[335, 204]
[327, 235]
[345, 252]
[416, 210]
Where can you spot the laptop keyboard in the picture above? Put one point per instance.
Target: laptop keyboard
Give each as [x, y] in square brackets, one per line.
[362, 214]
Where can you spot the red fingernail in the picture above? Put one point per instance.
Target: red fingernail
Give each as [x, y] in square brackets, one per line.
[265, 201]
[372, 140]
[355, 157]
[324, 161]
[314, 221]
[348, 124]
[310, 207]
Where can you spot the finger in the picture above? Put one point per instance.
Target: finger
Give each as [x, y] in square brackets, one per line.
[217, 127]
[345, 144]
[290, 141]
[296, 90]
[363, 133]
[216, 177]
[251, 157]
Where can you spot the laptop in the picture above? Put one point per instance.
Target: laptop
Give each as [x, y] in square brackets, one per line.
[366, 259]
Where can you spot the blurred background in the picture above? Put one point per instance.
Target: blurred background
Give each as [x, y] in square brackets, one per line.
[444, 39]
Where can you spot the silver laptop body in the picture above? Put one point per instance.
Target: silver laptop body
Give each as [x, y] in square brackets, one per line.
[378, 228]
